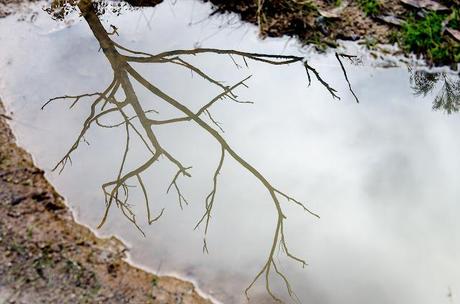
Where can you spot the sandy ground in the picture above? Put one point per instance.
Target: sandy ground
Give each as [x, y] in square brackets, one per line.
[46, 257]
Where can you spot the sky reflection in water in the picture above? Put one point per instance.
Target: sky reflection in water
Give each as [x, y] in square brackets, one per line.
[382, 174]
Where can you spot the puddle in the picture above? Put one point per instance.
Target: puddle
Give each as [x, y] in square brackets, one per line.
[383, 174]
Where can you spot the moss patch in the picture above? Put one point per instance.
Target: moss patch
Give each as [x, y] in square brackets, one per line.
[370, 7]
[425, 35]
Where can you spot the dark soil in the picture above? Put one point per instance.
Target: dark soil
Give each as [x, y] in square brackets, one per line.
[46, 257]
[317, 22]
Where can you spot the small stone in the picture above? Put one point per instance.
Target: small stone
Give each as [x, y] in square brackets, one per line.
[335, 12]
[390, 19]
[454, 33]
[427, 4]
[321, 25]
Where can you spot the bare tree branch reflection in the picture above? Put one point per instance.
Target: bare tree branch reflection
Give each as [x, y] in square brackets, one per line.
[337, 55]
[117, 191]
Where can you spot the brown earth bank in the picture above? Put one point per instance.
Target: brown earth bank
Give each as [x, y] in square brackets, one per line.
[46, 257]
[427, 28]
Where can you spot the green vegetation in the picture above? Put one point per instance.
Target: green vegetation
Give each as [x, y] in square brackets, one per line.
[43, 261]
[414, 27]
[321, 44]
[370, 7]
[425, 36]
[29, 233]
[454, 19]
[18, 248]
[154, 281]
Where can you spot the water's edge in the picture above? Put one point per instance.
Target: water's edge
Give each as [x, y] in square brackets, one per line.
[172, 283]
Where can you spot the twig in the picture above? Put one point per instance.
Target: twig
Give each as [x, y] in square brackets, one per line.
[337, 55]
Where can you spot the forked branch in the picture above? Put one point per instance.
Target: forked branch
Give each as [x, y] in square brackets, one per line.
[118, 190]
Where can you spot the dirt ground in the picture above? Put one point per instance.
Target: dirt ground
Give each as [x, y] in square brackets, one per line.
[45, 257]
[323, 22]
[280, 19]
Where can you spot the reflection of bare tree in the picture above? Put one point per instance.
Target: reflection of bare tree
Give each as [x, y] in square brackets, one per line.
[108, 102]
[448, 96]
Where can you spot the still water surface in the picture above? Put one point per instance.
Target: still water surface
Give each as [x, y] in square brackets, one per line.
[383, 174]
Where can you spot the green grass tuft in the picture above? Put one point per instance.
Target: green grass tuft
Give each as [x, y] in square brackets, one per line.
[424, 35]
[370, 7]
